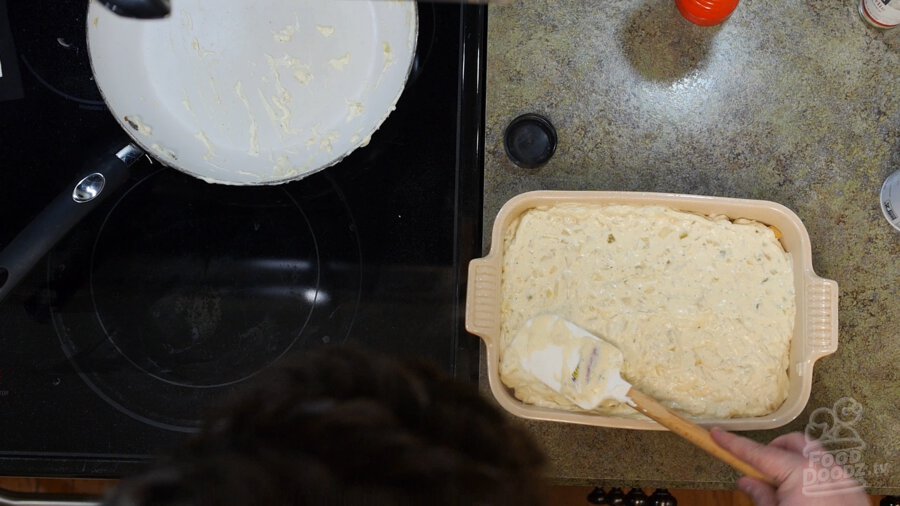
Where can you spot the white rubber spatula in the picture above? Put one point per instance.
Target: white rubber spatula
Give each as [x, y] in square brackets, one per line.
[587, 371]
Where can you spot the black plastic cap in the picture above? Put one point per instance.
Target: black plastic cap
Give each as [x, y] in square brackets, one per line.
[530, 141]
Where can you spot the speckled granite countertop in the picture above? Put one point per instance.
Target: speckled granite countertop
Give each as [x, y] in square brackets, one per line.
[795, 102]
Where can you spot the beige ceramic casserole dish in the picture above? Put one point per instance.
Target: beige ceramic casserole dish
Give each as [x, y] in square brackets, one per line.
[815, 327]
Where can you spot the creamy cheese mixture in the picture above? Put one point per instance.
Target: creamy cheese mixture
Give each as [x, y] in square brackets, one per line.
[701, 307]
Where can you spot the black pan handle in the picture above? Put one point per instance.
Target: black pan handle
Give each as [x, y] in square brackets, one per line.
[143, 9]
[64, 212]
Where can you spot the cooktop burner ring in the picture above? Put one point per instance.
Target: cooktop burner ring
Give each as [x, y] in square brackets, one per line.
[201, 308]
[95, 336]
[56, 53]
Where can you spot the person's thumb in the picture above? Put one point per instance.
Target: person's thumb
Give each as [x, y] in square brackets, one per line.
[761, 493]
[774, 462]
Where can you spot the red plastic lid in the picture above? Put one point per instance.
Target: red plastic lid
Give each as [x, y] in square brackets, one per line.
[706, 12]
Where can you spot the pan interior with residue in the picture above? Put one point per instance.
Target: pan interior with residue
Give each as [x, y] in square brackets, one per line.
[240, 92]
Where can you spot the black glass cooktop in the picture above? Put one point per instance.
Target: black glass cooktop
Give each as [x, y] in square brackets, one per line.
[175, 292]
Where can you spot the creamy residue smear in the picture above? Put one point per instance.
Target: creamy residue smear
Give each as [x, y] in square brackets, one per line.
[340, 63]
[702, 308]
[325, 30]
[578, 365]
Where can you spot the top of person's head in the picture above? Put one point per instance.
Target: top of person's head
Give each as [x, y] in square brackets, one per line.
[346, 426]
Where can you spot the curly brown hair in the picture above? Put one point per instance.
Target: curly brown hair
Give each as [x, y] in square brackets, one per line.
[348, 426]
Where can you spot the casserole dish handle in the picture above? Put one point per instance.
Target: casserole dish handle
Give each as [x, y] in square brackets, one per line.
[483, 298]
[821, 317]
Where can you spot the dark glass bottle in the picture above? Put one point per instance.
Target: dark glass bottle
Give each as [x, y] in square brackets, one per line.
[662, 497]
[637, 497]
[615, 496]
[597, 496]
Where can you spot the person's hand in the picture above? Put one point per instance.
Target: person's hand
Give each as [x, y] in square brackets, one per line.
[784, 461]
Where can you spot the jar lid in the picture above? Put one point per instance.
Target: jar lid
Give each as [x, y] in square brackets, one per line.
[890, 199]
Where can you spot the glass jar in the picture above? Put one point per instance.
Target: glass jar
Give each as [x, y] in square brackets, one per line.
[880, 13]
[890, 199]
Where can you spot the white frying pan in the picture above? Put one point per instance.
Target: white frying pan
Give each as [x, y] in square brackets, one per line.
[240, 92]
[233, 92]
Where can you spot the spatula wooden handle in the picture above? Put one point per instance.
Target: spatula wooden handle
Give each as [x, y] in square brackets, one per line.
[692, 432]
